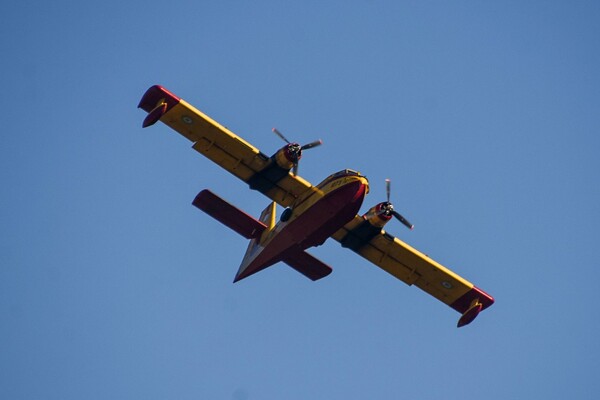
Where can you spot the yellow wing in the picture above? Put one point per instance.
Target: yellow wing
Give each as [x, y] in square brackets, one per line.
[415, 268]
[223, 147]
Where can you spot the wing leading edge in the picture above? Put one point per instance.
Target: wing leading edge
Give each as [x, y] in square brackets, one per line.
[220, 145]
[415, 268]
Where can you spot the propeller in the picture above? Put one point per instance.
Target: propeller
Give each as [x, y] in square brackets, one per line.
[388, 209]
[295, 150]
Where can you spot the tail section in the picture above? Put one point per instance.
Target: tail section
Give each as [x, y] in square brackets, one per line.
[267, 218]
[260, 232]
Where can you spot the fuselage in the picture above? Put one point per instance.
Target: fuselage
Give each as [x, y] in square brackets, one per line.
[314, 217]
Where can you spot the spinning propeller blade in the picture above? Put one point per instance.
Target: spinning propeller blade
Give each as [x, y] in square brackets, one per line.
[275, 131]
[388, 188]
[403, 220]
[388, 208]
[312, 144]
[295, 149]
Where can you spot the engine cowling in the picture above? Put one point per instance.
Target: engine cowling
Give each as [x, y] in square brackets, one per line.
[288, 156]
[377, 215]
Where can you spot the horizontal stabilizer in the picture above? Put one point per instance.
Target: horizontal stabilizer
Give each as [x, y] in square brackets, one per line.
[229, 215]
[309, 266]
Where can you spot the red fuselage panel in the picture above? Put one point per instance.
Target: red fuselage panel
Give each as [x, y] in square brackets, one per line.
[311, 228]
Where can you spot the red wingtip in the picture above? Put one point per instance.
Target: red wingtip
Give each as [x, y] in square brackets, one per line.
[156, 102]
[154, 95]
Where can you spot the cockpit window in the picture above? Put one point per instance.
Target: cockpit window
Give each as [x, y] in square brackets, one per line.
[345, 172]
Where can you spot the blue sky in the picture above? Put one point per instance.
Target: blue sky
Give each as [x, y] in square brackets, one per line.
[483, 114]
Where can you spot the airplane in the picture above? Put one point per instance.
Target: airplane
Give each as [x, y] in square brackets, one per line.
[311, 215]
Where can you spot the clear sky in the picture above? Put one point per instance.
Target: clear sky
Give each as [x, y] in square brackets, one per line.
[484, 114]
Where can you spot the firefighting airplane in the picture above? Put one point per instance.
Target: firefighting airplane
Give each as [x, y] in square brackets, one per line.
[312, 213]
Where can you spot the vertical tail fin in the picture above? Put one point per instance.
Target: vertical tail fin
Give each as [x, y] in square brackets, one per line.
[267, 217]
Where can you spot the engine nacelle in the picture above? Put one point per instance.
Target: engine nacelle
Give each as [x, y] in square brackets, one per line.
[288, 156]
[377, 215]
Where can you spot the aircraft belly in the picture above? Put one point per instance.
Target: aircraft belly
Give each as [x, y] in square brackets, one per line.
[312, 227]
[327, 215]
